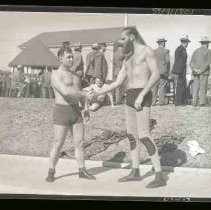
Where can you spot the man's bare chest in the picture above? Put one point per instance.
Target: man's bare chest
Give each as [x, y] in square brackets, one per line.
[135, 66]
[70, 79]
[134, 61]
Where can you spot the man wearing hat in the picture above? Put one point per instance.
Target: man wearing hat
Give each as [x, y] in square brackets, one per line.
[90, 63]
[100, 63]
[66, 45]
[200, 65]
[78, 64]
[179, 68]
[163, 62]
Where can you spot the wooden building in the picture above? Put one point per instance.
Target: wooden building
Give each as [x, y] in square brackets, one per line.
[33, 59]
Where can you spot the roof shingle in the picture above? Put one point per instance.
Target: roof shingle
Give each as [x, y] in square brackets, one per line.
[35, 55]
[86, 36]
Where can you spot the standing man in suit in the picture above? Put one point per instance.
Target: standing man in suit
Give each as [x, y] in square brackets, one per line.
[200, 65]
[118, 58]
[163, 62]
[100, 63]
[78, 64]
[47, 90]
[90, 63]
[179, 68]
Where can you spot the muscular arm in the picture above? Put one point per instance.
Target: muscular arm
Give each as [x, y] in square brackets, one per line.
[119, 81]
[155, 75]
[88, 88]
[64, 90]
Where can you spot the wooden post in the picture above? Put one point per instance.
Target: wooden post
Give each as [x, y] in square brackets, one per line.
[29, 69]
[25, 69]
[112, 62]
[126, 20]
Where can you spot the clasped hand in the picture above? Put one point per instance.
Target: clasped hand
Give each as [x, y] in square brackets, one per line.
[90, 95]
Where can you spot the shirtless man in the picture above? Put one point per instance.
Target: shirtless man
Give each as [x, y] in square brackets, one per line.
[67, 113]
[141, 72]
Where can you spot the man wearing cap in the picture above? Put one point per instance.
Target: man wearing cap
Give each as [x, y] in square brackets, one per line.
[163, 62]
[90, 63]
[100, 63]
[179, 68]
[200, 65]
[66, 45]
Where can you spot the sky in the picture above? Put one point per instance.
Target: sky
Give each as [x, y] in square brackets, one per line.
[172, 27]
[18, 27]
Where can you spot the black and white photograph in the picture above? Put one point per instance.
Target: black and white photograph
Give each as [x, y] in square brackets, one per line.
[98, 104]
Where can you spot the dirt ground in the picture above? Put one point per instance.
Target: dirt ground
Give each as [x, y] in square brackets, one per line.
[26, 129]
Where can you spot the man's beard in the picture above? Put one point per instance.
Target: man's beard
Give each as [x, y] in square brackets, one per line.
[128, 47]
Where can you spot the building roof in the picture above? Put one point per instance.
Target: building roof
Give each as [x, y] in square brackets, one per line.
[85, 37]
[35, 55]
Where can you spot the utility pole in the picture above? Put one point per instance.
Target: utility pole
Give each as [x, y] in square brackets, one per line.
[126, 20]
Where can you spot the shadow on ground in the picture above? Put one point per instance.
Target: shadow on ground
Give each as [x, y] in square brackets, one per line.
[93, 171]
[169, 153]
[172, 157]
[118, 157]
[168, 150]
[65, 175]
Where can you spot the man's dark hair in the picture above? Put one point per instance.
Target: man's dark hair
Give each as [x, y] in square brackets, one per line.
[102, 44]
[61, 51]
[133, 30]
[77, 50]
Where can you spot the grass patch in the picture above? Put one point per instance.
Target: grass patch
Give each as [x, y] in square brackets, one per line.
[26, 129]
